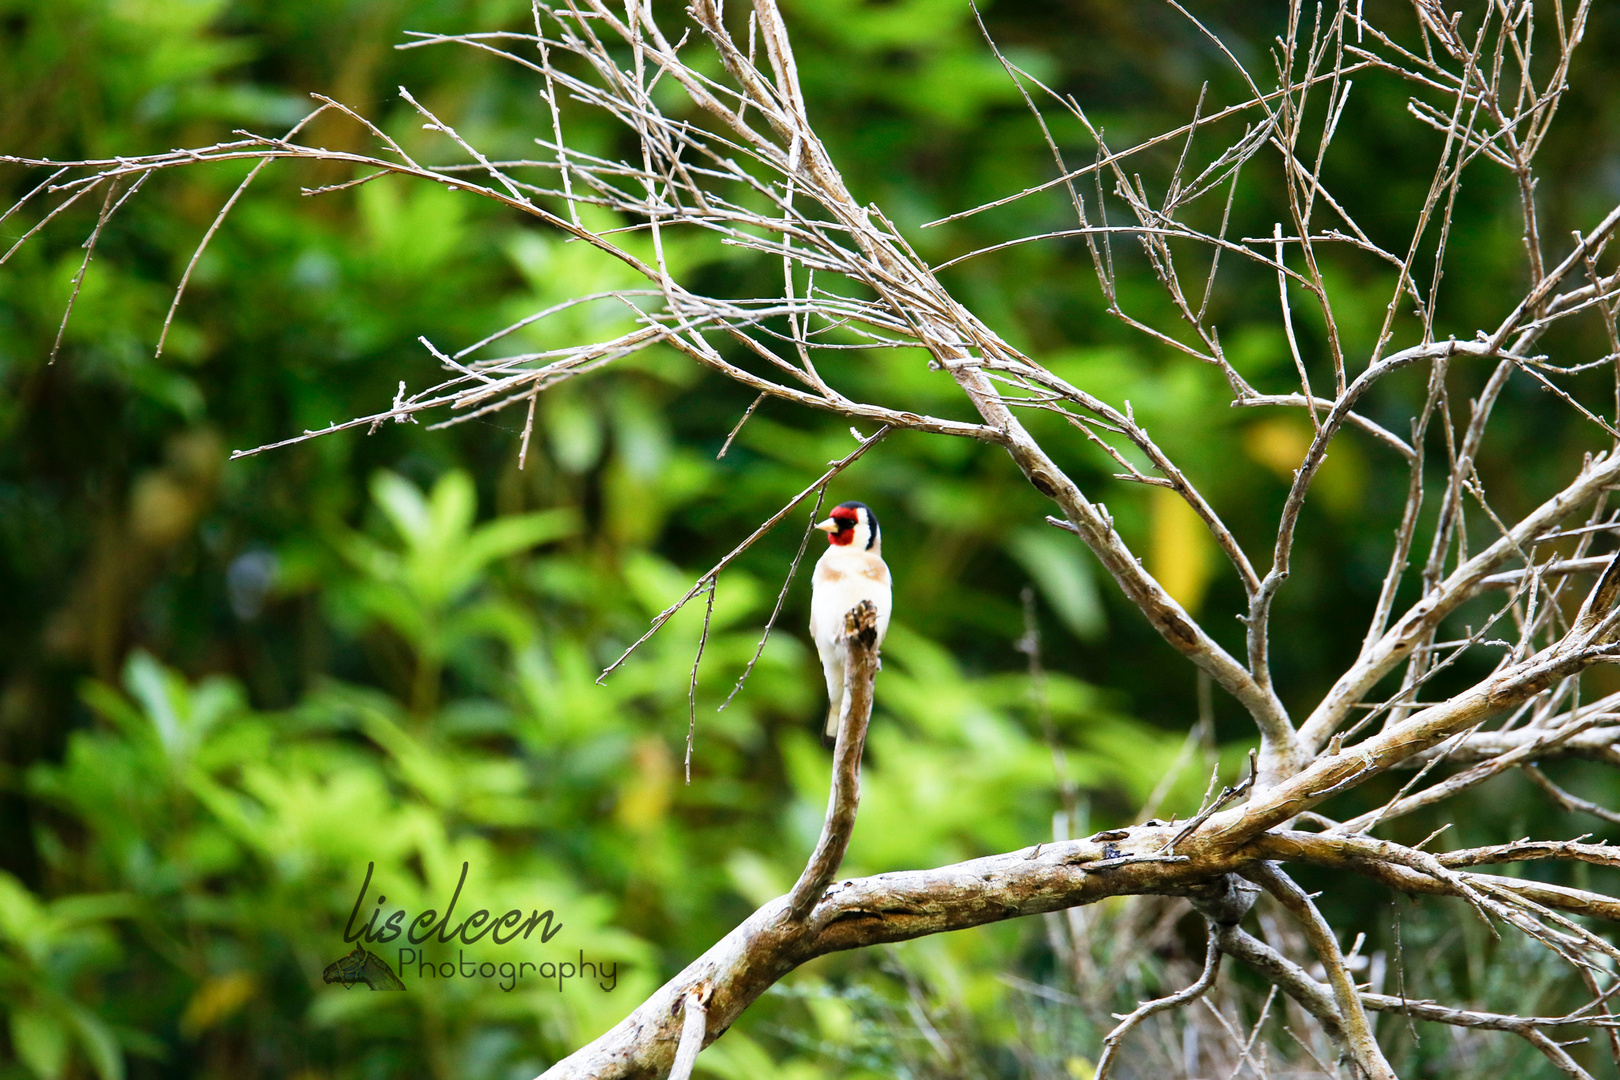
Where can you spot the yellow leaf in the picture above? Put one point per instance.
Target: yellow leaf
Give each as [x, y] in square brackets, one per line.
[161, 508]
[1181, 553]
[1279, 444]
[644, 799]
[216, 1000]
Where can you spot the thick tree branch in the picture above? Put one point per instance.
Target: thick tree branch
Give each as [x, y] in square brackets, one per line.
[860, 670]
[874, 910]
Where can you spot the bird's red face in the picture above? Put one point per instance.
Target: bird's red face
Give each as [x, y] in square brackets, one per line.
[841, 527]
[844, 519]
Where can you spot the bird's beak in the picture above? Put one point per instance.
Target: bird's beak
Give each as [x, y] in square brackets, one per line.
[827, 526]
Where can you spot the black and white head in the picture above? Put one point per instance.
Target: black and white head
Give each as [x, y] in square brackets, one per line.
[853, 525]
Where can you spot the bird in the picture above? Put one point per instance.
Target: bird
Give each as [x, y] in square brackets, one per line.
[849, 571]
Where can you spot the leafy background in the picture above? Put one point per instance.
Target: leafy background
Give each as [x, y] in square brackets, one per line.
[230, 687]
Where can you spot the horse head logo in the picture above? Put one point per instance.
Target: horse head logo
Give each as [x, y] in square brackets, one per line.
[361, 966]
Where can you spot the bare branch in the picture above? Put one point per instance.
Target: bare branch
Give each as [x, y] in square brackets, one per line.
[1212, 964]
[664, 616]
[1572, 803]
[1364, 1048]
[694, 1027]
[860, 670]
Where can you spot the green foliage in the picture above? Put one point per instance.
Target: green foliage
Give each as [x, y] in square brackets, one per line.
[210, 852]
[45, 949]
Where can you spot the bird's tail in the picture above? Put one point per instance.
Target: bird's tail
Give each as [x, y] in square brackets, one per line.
[829, 734]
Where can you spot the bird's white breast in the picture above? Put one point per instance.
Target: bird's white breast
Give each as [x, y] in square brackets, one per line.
[842, 579]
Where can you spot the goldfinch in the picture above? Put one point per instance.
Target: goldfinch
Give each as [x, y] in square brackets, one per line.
[849, 571]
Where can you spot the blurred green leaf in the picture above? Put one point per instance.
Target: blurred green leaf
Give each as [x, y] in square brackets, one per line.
[41, 1041]
[1062, 569]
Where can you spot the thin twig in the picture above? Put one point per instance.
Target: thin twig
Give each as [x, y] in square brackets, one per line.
[781, 597]
[691, 693]
[821, 482]
[1212, 964]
